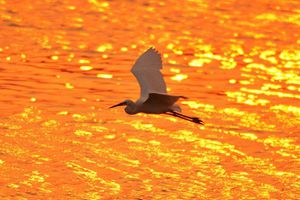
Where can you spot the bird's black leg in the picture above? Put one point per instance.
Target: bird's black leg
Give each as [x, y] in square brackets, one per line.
[192, 119]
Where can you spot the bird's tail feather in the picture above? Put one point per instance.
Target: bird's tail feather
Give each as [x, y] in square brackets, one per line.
[183, 97]
[176, 108]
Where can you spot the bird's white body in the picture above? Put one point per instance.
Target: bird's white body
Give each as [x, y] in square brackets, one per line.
[154, 98]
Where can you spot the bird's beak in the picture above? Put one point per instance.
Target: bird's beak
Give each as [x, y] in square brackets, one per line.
[119, 104]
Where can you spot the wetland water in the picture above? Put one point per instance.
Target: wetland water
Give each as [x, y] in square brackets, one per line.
[63, 63]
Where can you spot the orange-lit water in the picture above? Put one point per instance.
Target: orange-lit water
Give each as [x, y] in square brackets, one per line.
[63, 63]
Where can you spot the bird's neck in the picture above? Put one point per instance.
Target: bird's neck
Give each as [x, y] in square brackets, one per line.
[131, 108]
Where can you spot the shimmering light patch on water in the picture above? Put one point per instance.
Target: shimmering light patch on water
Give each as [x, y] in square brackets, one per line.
[178, 52]
[105, 76]
[105, 56]
[248, 60]
[282, 18]
[290, 55]
[23, 56]
[263, 166]
[196, 105]
[175, 50]
[234, 111]
[210, 56]
[295, 80]
[84, 61]
[269, 56]
[170, 46]
[63, 113]
[13, 185]
[203, 47]
[268, 86]
[179, 77]
[78, 19]
[40, 159]
[235, 50]
[34, 177]
[93, 195]
[243, 135]
[186, 136]
[70, 57]
[99, 128]
[110, 136]
[55, 57]
[175, 70]
[288, 109]
[82, 46]
[199, 62]
[200, 3]
[104, 47]
[228, 64]
[281, 142]
[249, 99]
[124, 49]
[79, 117]
[33, 99]
[269, 16]
[254, 121]
[135, 140]
[44, 42]
[91, 175]
[69, 85]
[86, 67]
[271, 93]
[254, 66]
[232, 81]
[146, 127]
[292, 64]
[101, 6]
[173, 62]
[50, 123]
[10, 126]
[154, 142]
[83, 133]
[217, 146]
[252, 78]
[277, 74]
[284, 153]
[71, 7]
[30, 114]
[293, 88]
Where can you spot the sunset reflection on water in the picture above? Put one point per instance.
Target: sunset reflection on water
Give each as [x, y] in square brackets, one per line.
[63, 63]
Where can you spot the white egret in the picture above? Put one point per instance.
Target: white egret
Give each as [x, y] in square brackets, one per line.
[154, 98]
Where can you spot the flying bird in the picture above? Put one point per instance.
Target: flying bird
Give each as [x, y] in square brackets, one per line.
[154, 98]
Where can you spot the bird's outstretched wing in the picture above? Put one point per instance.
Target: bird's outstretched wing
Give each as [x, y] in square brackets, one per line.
[164, 100]
[146, 69]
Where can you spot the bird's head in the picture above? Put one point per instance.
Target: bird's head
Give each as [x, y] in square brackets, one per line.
[130, 106]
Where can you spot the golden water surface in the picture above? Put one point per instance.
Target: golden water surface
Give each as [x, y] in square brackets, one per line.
[63, 63]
